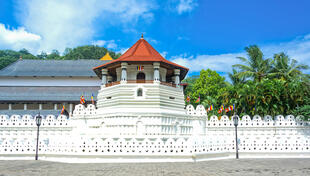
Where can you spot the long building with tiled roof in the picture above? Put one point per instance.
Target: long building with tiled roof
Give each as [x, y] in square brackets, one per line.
[45, 85]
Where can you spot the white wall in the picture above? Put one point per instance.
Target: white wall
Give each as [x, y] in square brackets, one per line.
[258, 137]
[57, 137]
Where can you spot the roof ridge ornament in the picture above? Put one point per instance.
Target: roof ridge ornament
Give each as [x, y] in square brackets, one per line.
[106, 56]
[142, 36]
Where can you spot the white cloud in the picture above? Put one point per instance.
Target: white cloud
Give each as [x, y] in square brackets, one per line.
[110, 44]
[164, 54]
[122, 50]
[151, 40]
[220, 63]
[298, 49]
[186, 6]
[71, 23]
[17, 39]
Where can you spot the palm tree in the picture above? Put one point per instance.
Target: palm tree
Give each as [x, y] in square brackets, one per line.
[255, 67]
[286, 68]
[234, 77]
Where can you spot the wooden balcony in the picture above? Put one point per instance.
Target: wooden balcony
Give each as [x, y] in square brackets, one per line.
[112, 83]
[139, 82]
[168, 84]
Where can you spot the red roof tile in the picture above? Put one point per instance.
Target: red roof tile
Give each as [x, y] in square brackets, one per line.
[141, 51]
[144, 52]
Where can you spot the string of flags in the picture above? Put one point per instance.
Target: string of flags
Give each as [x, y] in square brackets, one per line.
[211, 107]
[82, 101]
[188, 99]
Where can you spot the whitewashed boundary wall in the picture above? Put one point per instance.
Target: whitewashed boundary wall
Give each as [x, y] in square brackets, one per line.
[259, 135]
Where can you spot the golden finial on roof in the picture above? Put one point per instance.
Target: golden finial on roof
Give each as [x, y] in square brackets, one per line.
[106, 57]
[142, 35]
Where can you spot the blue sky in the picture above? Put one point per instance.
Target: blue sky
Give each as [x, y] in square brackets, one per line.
[194, 33]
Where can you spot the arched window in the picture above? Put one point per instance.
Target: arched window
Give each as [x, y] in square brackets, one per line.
[140, 77]
[140, 93]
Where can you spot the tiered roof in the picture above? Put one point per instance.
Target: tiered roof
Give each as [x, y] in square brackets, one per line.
[141, 51]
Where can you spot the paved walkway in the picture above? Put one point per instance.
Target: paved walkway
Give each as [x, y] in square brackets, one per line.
[248, 167]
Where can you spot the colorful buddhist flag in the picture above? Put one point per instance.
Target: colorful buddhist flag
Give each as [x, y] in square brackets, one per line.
[198, 100]
[92, 98]
[140, 68]
[188, 99]
[210, 108]
[82, 100]
[64, 111]
[221, 109]
[227, 110]
[231, 108]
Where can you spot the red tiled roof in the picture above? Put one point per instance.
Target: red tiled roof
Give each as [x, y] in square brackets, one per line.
[141, 51]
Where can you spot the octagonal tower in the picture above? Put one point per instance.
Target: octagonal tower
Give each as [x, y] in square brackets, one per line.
[141, 93]
[141, 80]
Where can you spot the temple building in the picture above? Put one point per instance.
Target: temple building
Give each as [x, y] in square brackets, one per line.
[138, 87]
[141, 79]
[27, 86]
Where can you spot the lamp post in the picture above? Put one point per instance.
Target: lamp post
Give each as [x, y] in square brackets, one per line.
[236, 119]
[38, 122]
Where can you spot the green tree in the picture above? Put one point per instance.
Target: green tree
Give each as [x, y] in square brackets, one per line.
[24, 51]
[235, 79]
[255, 67]
[208, 86]
[42, 55]
[190, 84]
[286, 68]
[54, 55]
[83, 52]
[67, 51]
[88, 52]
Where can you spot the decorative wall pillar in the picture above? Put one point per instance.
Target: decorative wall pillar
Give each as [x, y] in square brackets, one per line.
[55, 106]
[124, 72]
[40, 106]
[70, 107]
[156, 66]
[10, 106]
[177, 77]
[163, 73]
[110, 79]
[25, 106]
[104, 73]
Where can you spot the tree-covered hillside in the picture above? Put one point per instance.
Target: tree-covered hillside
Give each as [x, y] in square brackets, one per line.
[82, 52]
